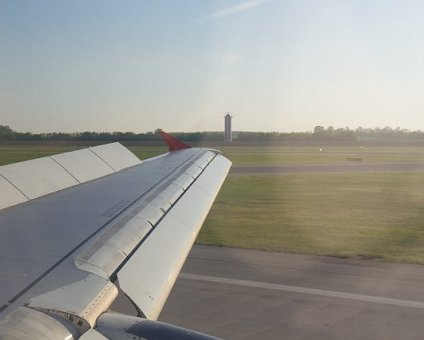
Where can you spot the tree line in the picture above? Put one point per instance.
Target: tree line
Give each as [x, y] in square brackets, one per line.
[319, 133]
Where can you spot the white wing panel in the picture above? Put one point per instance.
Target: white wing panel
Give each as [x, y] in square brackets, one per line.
[116, 156]
[154, 211]
[204, 189]
[194, 171]
[9, 194]
[150, 273]
[171, 193]
[187, 214]
[184, 181]
[213, 180]
[38, 177]
[83, 164]
[205, 159]
[104, 257]
[148, 276]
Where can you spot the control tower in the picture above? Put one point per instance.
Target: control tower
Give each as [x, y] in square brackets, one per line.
[227, 132]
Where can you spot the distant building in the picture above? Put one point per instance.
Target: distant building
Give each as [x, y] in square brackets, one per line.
[227, 132]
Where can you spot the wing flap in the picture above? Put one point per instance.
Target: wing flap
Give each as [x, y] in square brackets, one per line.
[148, 276]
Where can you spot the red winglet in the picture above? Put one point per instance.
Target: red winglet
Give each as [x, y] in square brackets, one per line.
[173, 143]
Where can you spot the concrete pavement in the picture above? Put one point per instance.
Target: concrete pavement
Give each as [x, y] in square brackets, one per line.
[249, 294]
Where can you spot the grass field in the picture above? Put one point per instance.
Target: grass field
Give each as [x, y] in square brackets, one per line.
[245, 155]
[321, 155]
[14, 153]
[347, 215]
[17, 153]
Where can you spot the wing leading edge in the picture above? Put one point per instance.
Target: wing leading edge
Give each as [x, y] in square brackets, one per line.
[144, 219]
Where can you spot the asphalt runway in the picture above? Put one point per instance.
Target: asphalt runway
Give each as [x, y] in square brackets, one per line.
[250, 294]
[327, 168]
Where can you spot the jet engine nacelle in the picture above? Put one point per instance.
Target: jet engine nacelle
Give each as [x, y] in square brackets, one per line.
[118, 326]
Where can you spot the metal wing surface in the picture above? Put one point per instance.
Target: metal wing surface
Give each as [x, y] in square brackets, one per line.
[77, 227]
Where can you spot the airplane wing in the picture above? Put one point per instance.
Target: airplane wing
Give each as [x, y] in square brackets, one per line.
[78, 228]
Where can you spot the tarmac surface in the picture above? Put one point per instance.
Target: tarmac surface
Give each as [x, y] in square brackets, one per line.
[327, 168]
[249, 294]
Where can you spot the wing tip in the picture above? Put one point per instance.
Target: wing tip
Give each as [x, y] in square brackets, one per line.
[173, 143]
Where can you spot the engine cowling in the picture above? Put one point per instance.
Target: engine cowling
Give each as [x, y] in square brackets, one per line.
[118, 326]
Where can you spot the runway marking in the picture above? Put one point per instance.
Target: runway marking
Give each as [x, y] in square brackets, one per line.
[305, 290]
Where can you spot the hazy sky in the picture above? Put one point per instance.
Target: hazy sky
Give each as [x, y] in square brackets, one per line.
[275, 65]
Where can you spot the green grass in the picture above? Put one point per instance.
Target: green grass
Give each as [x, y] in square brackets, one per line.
[243, 155]
[346, 215]
[147, 152]
[321, 155]
[13, 154]
[18, 153]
